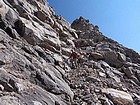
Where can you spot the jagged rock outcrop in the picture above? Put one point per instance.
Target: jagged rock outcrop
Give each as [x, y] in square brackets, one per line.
[34, 44]
[109, 75]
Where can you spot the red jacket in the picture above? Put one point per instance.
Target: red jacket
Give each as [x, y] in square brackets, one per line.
[74, 55]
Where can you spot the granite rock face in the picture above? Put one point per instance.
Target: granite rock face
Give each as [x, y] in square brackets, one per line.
[34, 44]
[30, 42]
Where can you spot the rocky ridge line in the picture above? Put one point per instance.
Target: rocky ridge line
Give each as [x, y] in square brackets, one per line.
[108, 73]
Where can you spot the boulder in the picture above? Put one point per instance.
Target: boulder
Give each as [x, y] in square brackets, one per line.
[96, 56]
[98, 38]
[40, 15]
[66, 51]
[104, 65]
[93, 79]
[82, 43]
[102, 74]
[121, 57]
[128, 71]
[118, 97]
[20, 27]
[111, 58]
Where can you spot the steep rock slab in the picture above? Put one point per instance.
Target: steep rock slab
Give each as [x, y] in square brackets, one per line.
[51, 80]
[21, 60]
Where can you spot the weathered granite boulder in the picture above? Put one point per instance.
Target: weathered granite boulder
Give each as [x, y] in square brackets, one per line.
[40, 15]
[96, 56]
[118, 97]
[111, 58]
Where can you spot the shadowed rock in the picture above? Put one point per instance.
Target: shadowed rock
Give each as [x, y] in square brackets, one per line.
[20, 27]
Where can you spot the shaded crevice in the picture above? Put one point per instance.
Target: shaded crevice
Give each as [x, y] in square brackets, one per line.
[20, 27]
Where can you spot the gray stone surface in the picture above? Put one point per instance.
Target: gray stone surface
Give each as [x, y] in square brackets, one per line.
[35, 45]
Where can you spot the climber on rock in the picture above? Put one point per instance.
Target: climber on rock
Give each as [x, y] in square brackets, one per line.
[73, 59]
[80, 58]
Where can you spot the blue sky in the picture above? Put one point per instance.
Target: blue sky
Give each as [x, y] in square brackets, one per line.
[117, 19]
